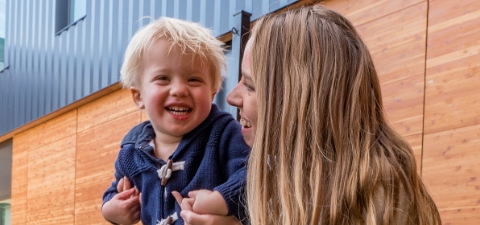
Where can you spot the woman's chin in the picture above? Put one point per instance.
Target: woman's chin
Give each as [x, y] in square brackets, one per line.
[248, 135]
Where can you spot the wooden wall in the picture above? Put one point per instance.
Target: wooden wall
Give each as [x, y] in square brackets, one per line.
[62, 167]
[427, 54]
[428, 57]
[452, 109]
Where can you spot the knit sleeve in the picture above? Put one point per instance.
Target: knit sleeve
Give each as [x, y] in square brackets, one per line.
[112, 190]
[234, 155]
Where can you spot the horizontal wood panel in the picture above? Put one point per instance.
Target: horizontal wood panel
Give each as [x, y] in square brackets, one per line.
[51, 182]
[105, 109]
[19, 178]
[453, 65]
[53, 215]
[461, 216]
[399, 55]
[360, 12]
[395, 33]
[97, 150]
[55, 129]
[451, 167]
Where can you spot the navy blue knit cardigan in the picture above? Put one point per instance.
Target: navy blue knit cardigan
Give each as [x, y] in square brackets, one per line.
[214, 156]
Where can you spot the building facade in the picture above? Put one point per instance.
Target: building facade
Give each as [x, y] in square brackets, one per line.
[64, 112]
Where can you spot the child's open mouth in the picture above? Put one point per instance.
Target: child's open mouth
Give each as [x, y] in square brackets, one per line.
[181, 111]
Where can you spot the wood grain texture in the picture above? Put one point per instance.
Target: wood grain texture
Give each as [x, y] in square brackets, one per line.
[397, 45]
[20, 147]
[461, 216]
[451, 168]
[106, 108]
[60, 170]
[452, 97]
[51, 183]
[364, 11]
[55, 129]
[97, 150]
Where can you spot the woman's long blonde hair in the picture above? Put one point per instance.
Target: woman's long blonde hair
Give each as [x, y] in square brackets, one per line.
[323, 151]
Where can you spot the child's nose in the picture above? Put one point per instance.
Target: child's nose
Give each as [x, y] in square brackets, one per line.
[178, 89]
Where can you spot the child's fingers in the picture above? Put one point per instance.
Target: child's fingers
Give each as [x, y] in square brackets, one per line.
[126, 194]
[133, 203]
[178, 197]
[126, 183]
[120, 185]
[136, 191]
[187, 203]
[134, 211]
[192, 194]
[140, 198]
[136, 217]
[193, 218]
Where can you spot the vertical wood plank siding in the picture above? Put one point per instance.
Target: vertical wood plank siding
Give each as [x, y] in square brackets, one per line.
[46, 72]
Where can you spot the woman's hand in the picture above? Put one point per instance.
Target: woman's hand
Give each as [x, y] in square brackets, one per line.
[192, 218]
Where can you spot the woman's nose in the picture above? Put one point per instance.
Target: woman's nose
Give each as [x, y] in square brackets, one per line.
[235, 98]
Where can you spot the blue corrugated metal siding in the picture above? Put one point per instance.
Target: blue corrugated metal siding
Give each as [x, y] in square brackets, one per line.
[47, 71]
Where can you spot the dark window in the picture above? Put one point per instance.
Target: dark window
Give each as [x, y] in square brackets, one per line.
[5, 213]
[5, 178]
[69, 12]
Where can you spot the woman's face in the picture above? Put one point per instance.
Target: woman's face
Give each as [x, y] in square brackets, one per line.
[243, 97]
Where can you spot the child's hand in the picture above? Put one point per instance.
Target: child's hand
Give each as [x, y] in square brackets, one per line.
[208, 202]
[193, 218]
[123, 208]
[185, 203]
[125, 184]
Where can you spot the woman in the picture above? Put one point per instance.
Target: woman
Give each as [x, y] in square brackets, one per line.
[322, 150]
[321, 140]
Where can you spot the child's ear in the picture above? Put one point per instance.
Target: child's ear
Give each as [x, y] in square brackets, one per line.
[137, 97]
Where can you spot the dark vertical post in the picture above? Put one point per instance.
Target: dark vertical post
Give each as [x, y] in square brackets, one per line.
[239, 40]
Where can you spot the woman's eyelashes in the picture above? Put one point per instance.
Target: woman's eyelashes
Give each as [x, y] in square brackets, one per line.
[245, 83]
[249, 87]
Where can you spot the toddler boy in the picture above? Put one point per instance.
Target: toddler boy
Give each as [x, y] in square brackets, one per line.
[173, 69]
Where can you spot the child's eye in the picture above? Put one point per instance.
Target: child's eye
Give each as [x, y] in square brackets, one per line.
[194, 79]
[162, 78]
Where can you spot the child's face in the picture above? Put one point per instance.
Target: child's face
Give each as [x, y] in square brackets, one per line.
[175, 89]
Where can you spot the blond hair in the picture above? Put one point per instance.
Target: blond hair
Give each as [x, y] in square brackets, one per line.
[323, 151]
[190, 37]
